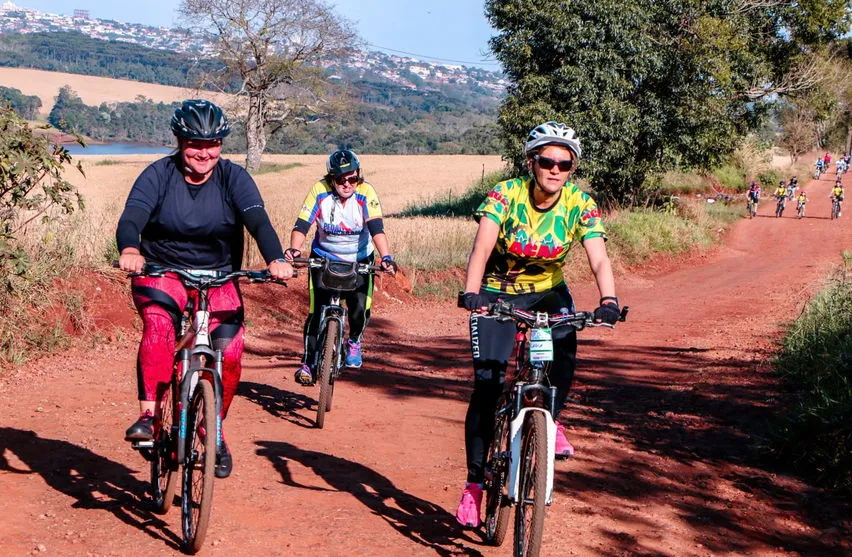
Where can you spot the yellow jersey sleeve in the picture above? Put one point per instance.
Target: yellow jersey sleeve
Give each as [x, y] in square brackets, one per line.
[310, 206]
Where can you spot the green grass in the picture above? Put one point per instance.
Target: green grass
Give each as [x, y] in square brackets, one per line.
[814, 432]
[267, 167]
[730, 176]
[108, 162]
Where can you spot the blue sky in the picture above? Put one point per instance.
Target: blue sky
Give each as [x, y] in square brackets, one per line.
[442, 30]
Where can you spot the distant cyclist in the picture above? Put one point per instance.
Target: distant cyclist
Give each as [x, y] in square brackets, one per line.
[801, 201]
[781, 190]
[819, 167]
[348, 216]
[826, 161]
[188, 211]
[753, 194]
[837, 193]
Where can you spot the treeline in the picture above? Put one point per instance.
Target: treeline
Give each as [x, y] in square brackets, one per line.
[366, 129]
[378, 116]
[143, 121]
[74, 52]
[25, 106]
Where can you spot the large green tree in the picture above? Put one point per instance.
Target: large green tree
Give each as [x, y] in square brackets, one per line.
[272, 49]
[652, 85]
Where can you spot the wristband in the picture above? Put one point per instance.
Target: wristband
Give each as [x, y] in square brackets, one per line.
[607, 299]
[387, 257]
[280, 260]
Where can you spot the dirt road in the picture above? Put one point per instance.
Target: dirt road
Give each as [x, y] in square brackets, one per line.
[665, 415]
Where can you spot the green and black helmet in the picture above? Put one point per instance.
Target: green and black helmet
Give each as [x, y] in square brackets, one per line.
[342, 161]
[199, 119]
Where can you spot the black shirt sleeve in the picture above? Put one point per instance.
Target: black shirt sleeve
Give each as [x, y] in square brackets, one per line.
[130, 226]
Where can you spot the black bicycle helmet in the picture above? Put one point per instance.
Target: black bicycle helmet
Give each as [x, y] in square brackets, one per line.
[199, 119]
[342, 161]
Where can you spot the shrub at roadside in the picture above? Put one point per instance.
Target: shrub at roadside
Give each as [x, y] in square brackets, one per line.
[814, 434]
[33, 192]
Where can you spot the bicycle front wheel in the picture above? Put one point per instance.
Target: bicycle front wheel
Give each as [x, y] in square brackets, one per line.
[532, 488]
[164, 463]
[326, 369]
[496, 492]
[198, 466]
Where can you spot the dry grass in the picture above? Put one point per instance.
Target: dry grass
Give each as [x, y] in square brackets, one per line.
[94, 90]
[422, 243]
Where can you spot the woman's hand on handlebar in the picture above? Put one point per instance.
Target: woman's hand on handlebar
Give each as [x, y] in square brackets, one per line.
[131, 261]
[280, 270]
[473, 301]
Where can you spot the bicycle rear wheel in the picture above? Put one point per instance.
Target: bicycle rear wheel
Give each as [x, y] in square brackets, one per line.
[198, 466]
[532, 488]
[326, 369]
[496, 494]
[164, 462]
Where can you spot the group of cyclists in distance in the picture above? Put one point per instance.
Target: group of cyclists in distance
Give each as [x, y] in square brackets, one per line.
[189, 210]
[790, 190]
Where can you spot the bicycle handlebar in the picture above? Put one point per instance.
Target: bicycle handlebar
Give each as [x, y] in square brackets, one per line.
[318, 262]
[204, 278]
[579, 320]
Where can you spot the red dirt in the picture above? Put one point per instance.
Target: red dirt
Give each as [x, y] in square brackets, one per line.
[666, 415]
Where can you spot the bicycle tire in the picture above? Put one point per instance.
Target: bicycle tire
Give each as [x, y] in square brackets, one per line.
[496, 492]
[326, 369]
[533, 478]
[164, 464]
[198, 467]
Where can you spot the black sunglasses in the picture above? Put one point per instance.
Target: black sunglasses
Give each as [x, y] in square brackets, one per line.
[343, 179]
[548, 163]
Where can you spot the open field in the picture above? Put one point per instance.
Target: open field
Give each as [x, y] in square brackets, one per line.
[93, 90]
[399, 180]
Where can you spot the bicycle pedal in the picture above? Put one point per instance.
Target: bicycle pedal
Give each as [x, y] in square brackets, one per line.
[138, 445]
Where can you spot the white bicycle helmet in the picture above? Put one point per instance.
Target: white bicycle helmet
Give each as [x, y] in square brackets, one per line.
[553, 133]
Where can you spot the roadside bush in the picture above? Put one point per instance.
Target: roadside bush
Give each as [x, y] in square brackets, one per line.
[731, 176]
[769, 177]
[34, 193]
[814, 432]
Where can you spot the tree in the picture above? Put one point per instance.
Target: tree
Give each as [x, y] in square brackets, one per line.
[31, 187]
[273, 49]
[649, 85]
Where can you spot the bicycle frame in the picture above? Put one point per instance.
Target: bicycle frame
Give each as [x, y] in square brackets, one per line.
[333, 311]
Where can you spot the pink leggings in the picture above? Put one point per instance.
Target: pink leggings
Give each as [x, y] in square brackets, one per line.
[160, 302]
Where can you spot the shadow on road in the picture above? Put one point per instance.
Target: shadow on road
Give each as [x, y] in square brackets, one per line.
[280, 403]
[417, 519]
[95, 482]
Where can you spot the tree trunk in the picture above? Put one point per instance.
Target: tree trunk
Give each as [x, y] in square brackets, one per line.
[255, 132]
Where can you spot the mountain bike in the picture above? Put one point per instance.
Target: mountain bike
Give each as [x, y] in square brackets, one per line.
[519, 467]
[800, 210]
[779, 207]
[187, 418]
[338, 277]
[835, 208]
[751, 208]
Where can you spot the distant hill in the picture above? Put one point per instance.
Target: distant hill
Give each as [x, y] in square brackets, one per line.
[399, 105]
[387, 116]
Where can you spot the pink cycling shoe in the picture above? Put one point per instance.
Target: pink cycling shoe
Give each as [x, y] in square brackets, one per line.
[471, 502]
[564, 449]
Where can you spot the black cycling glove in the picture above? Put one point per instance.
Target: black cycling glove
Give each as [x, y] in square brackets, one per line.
[472, 301]
[388, 264]
[291, 253]
[607, 313]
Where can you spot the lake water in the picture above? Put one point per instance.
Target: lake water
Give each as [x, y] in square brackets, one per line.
[118, 148]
